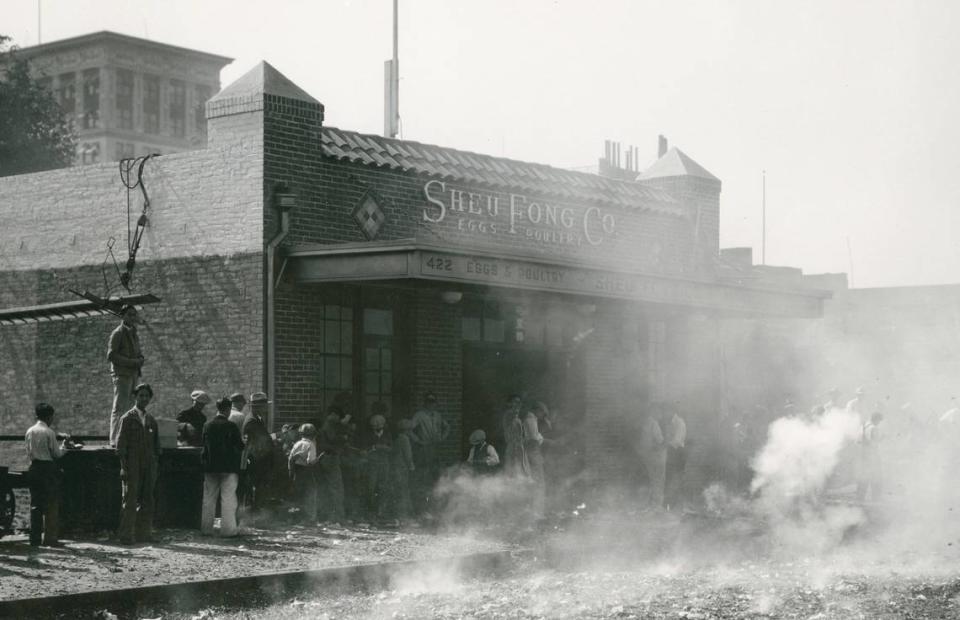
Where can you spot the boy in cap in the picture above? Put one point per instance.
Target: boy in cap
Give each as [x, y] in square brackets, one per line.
[138, 446]
[302, 465]
[44, 478]
[483, 457]
[222, 449]
[195, 418]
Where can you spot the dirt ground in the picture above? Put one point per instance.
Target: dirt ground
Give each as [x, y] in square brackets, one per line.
[805, 589]
[185, 555]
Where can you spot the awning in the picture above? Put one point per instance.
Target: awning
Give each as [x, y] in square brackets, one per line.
[364, 262]
[90, 306]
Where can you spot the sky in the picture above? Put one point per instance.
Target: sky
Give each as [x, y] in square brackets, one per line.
[852, 107]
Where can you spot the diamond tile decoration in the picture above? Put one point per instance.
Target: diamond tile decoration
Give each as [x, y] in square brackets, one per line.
[369, 216]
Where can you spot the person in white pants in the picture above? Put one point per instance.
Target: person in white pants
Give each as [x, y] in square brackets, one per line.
[222, 451]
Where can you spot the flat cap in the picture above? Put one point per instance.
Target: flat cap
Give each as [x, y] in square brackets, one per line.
[200, 396]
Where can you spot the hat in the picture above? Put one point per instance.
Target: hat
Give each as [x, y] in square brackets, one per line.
[199, 396]
[238, 396]
[224, 404]
[259, 397]
[430, 397]
[477, 437]
[860, 391]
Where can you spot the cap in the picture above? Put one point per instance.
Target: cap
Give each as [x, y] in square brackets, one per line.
[259, 397]
[477, 437]
[199, 396]
[224, 404]
[430, 397]
[238, 396]
[860, 391]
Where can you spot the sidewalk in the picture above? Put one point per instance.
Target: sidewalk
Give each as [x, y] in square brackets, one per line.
[186, 556]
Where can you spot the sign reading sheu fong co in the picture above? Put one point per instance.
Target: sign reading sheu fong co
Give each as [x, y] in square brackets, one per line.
[497, 215]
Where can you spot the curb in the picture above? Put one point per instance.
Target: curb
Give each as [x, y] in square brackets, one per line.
[251, 590]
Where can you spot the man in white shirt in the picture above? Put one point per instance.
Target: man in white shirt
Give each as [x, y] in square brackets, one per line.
[675, 436]
[239, 401]
[653, 450]
[430, 429]
[44, 478]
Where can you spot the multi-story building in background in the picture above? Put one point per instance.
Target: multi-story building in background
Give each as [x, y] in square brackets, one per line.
[128, 96]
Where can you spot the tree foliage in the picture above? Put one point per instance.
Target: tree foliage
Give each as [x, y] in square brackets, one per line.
[35, 134]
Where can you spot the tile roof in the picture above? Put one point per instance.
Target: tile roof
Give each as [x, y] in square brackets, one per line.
[498, 172]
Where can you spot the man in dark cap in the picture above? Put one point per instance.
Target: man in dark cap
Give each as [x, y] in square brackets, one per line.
[258, 451]
[192, 420]
[138, 446]
[126, 364]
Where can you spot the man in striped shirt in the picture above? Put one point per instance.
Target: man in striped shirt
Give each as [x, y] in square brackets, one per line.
[44, 478]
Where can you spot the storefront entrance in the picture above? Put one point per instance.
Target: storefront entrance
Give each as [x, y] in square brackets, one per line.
[490, 374]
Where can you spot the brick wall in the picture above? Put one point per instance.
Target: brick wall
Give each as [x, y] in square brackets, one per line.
[205, 333]
[701, 201]
[646, 240]
[201, 254]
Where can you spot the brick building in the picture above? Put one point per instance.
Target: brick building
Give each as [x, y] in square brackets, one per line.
[319, 264]
[128, 96]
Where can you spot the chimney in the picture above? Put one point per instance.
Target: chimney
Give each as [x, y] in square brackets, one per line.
[661, 146]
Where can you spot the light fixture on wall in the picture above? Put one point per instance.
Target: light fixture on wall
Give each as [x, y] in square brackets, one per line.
[451, 297]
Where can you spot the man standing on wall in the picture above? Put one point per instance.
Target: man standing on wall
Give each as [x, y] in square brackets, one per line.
[258, 451]
[430, 429]
[126, 364]
[138, 446]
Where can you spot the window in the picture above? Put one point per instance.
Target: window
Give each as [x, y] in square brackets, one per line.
[178, 108]
[656, 362]
[124, 150]
[200, 110]
[90, 152]
[91, 98]
[68, 95]
[377, 358]
[336, 366]
[151, 104]
[124, 99]
[482, 321]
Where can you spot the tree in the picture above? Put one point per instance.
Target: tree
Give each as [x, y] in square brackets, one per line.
[35, 134]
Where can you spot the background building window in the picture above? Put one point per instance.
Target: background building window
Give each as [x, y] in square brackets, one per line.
[90, 152]
[91, 98]
[124, 99]
[124, 150]
[151, 104]
[68, 95]
[178, 108]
